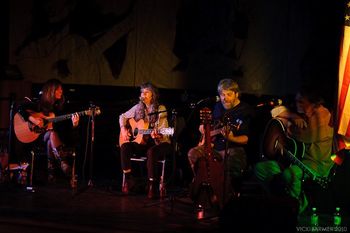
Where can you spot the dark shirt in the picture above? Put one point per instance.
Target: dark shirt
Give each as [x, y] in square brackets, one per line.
[238, 117]
[63, 128]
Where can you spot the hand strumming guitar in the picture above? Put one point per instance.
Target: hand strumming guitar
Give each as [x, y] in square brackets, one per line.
[124, 133]
[36, 121]
[75, 119]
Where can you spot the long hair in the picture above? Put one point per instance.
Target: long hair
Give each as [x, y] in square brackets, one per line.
[154, 102]
[48, 101]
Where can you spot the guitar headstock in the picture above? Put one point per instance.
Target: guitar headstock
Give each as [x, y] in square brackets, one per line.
[205, 115]
[166, 131]
[94, 110]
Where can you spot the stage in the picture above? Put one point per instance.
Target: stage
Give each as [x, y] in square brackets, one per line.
[101, 207]
[97, 208]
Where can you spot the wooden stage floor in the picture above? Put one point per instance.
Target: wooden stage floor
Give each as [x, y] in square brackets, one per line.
[56, 208]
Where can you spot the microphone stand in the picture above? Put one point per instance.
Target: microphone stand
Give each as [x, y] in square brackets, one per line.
[226, 154]
[92, 120]
[171, 196]
[9, 150]
[91, 136]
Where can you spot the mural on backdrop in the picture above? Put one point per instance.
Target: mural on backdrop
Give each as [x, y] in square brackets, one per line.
[269, 47]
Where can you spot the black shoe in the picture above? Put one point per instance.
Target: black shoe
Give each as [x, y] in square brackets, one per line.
[128, 185]
[125, 188]
[152, 190]
[66, 168]
[150, 194]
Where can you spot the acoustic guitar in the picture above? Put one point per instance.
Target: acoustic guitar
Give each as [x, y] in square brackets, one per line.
[278, 146]
[207, 186]
[27, 132]
[139, 128]
[218, 129]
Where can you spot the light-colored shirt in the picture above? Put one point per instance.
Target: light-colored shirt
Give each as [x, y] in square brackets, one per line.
[162, 121]
[317, 137]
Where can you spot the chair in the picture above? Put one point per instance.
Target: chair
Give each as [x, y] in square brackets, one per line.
[162, 190]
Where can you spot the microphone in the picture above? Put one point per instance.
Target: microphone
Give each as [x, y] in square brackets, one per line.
[208, 99]
[156, 112]
[91, 104]
[127, 102]
[270, 103]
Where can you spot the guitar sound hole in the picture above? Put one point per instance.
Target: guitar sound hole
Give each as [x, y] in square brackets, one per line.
[136, 132]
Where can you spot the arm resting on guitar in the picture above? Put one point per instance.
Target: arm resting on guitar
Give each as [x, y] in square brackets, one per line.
[240, 139]
[124, 117]
[23, 109]
[287, 116]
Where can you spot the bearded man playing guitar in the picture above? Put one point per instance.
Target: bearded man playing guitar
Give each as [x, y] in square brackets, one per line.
[311, 125]
[233, 117]
[143, 131]
[31, 121]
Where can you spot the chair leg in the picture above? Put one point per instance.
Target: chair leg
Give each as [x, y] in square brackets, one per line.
[162, 190]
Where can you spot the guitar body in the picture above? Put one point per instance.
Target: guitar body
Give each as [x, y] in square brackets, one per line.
[137, 130]
[207, 186]
[134, 127]
[276, 145]
[27, 132]
[275, 132]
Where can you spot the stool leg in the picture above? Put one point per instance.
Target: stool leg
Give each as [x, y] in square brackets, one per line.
[31, 169]
[74, 179]
[162, 190]
[30, 187]
[123, 182]
[125, 187]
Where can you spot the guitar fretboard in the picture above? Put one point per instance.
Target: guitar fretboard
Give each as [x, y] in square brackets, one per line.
[67, 116]
[145, 131]
[301, 165]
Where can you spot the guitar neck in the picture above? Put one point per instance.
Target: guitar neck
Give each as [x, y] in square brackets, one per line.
[218, 131]
[67, 116]
[145, 131]
[166, 131]
[215, 132]
[301, 165]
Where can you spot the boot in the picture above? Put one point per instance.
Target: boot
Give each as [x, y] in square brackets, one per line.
[125, 188]
[152, 189]
[66, 168]
[128, 184]
[51, 179]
